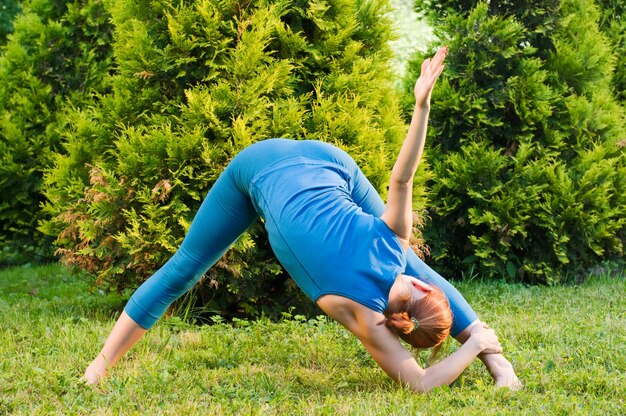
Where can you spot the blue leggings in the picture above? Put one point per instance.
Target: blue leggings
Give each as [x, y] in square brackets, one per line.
[227, 212]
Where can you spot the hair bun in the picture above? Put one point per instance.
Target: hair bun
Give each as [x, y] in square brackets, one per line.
[423, 323]
[416, 323]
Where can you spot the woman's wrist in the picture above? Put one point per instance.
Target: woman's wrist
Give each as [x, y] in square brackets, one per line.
[475, 344]
[420, 115]
[421, 108]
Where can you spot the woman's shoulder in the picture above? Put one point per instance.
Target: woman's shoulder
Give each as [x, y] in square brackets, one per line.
[357, 318]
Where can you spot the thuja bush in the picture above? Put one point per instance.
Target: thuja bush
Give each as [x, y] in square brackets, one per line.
[57, 56]
[613, 23]
[8, 10]
[195, 83]
[527, 146]
[536, 15]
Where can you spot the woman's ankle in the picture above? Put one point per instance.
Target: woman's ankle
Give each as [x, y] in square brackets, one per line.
[495, 362]
[501, 370]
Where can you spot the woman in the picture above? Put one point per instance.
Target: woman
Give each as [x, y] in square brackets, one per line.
[344, 248]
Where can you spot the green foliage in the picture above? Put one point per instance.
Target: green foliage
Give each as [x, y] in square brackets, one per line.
[57, 54]
[613, 23]
[196, 82]
[535, 15]
[527, 146]
[8, 10]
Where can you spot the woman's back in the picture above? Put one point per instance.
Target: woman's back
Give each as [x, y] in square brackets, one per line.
[327, 243]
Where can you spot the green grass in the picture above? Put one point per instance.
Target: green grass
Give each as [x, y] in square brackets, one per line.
[567, 343]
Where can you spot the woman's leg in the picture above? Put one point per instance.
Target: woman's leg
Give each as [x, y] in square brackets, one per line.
[462, 312]
[464, 319]
[365, 196]
[501, 370]
[499, 367]
[224, 215]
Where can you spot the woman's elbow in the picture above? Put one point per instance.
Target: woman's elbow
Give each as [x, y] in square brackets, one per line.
[417, 385]
[401, 181]
[419, 388]
[426, 384]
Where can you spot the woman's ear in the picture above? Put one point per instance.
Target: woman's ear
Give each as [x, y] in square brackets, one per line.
[418, 284]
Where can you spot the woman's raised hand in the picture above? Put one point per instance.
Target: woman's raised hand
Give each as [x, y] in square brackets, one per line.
[431, 69]
[485, 338]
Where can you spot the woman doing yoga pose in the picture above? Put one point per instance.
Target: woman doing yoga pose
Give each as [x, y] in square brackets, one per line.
[340, 243]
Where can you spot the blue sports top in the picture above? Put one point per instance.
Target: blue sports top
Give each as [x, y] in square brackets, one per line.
[321, 236]
[310, 195]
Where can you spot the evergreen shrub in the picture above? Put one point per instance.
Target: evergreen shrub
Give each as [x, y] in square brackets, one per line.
[613, 23]
[8, 10]
[196, 82]
[526, 145]
[57, 56]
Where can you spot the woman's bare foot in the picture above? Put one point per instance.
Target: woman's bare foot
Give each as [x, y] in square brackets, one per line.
[507, 378]
[499, 367]
[501, 370]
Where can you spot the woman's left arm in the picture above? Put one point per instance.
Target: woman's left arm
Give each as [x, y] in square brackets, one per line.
[386, 349]
[402, 367]
[398, 213]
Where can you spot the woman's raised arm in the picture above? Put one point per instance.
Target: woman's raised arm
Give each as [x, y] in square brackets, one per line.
[398, 213]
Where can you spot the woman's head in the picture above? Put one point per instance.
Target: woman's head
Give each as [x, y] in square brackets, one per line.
[421, 315]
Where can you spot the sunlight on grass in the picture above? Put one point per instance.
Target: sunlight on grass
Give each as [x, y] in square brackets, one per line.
[567, 344]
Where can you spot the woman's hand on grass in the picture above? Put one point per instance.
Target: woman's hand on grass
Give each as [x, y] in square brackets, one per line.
[485, 338]
[93, 376]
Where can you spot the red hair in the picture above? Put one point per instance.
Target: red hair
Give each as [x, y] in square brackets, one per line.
[423, 323]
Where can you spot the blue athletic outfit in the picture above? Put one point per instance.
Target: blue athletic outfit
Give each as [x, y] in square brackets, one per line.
[323, 220]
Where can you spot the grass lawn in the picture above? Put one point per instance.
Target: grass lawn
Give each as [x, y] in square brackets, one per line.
[568, 345]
